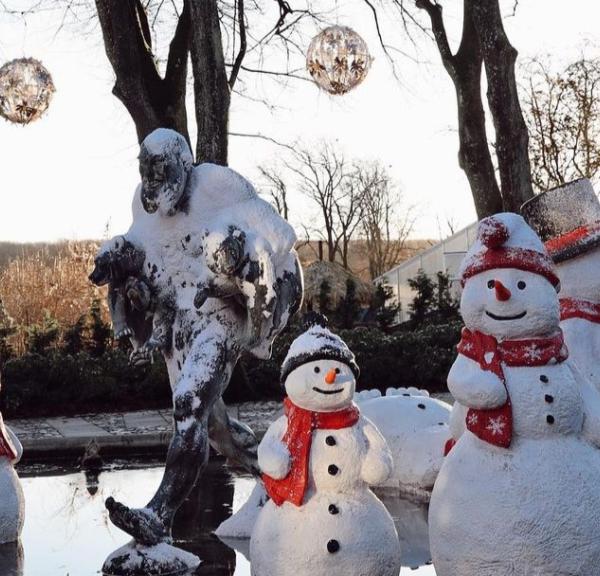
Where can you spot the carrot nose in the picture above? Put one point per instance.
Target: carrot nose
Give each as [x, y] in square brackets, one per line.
[330, 376]
[502, 292]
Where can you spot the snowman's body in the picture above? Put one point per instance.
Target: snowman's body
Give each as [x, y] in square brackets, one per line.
[415, 428]
[12, 499]
[337, 507]
[338, 526]
[580, 281]
[531, 508]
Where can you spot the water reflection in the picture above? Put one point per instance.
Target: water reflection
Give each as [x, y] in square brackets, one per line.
[67, 530]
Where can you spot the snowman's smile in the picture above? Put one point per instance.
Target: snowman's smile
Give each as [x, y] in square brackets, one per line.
[321, 391]
[501, 318]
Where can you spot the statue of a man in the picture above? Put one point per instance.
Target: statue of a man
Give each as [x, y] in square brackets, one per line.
[223, 279]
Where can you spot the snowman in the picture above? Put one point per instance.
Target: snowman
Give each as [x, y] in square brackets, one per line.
[318, 461]
[416, 429]
[567, 219]
[519, 493]
[12, 500]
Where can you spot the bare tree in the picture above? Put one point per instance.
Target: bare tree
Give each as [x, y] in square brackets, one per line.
[224, 39]
[325, 178]
[277, 189]
[385, 225]
[484, 44]
[563, 116]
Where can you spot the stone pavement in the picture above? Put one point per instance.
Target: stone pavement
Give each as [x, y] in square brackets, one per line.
[145, 429]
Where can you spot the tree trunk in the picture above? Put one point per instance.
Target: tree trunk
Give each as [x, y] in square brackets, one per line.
[512, 139]
[211, 88]
[152, 101]
[465, 69]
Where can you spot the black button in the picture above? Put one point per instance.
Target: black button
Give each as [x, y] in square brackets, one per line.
[333, 509]
[333, 546]
[330, 441]
[550, 419]
[333, 469]
[544, 378]
[421, 406]
[548, 398]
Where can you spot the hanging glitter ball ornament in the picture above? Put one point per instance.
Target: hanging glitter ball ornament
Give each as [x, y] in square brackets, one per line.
[338, 59]
[26, 89]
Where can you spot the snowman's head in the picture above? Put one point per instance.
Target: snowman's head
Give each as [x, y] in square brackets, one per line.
[319, 372]
[509, 281]
[321, 385]
[580, 277]
[509, 303]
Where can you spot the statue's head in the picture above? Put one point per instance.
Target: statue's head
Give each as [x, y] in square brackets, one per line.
[165, 164]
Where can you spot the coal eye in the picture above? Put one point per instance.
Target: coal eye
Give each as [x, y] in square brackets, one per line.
[337, 370]
[317, 369]
[491, 284]
[521, 285]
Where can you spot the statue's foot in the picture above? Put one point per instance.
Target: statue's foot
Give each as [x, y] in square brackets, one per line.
[141, 523]
[142, 356]
[123, 333]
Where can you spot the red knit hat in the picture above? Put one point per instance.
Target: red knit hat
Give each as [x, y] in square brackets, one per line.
[506, 241]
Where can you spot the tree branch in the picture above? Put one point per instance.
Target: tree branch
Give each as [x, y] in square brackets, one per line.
[243, 45]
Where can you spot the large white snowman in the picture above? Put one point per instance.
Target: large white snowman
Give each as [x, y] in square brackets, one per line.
[12, 500]
[567, 219]
[318, 462]
[519, 493]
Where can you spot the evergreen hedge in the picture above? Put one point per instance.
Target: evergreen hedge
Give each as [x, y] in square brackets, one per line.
[55, 382]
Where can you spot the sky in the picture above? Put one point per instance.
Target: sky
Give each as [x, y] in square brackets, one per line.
[71, 175]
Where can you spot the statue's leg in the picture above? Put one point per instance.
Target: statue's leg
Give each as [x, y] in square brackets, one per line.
[118, 313]
[232, 439]
[205, 375]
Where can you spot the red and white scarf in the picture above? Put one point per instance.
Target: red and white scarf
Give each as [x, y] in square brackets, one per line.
[298, 438]
[573, 308]
[495, 425]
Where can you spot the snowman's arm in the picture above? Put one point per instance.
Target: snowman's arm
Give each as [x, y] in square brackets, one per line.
[378, 464]
[16, 444]
[591, 407]
[474, 387]
[273, 454]
[458, 417]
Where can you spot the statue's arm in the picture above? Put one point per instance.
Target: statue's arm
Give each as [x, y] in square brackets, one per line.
[474, 387]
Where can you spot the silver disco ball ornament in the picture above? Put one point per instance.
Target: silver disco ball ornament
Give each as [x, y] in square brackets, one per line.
[26, 89]
[338, 59]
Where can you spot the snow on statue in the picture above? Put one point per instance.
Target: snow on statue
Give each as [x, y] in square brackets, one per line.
[567, 218]
[206, 271]
[519, 492]
[318, 462]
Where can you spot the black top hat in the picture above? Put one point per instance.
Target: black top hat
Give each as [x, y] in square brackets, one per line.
[566, 218]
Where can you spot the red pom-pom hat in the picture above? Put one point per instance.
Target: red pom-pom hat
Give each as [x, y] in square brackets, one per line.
[506, 241]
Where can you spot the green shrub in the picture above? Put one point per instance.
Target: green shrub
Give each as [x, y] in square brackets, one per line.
[57, 383]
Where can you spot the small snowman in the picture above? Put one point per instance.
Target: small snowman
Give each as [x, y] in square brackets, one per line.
[519, 492]
[318, 462]
[567, 219]
[12, 500]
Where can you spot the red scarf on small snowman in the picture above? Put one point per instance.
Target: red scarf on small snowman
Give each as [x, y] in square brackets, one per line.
[298, 438]
[573, 308]
[495, 425]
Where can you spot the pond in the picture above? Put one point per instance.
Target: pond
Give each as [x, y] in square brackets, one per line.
[67, 531]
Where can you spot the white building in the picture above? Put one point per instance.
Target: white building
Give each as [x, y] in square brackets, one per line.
[443, 257]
